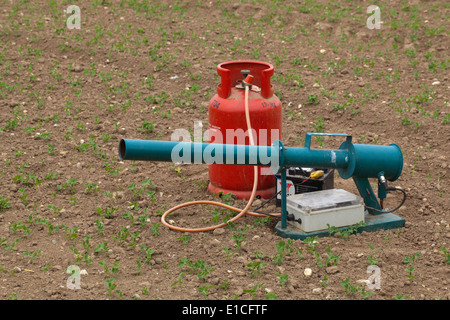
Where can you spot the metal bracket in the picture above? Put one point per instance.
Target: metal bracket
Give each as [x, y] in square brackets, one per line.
[310, 134]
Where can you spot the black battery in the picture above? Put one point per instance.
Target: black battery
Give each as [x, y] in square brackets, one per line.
[298, 181]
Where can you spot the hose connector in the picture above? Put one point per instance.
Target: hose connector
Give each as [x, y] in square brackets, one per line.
[248, 81]
[382, 180]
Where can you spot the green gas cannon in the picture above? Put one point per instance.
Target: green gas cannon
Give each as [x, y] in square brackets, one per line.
[312, 213]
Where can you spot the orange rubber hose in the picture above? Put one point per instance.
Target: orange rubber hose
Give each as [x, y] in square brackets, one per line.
[241, 212]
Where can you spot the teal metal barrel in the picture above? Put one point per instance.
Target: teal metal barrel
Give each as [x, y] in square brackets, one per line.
[351, 160]
[196, 152]
[370, 160]
[276, 156]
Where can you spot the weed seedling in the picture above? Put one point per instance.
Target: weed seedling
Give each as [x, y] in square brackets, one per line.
[106, 213]
[312, 99]
[20, 226]
[283, 249]
[349, 289]
[69, 183]
[255, 267]
[155, 229]
[111, 285]
[134, 237]
[33, 255]
[56, 211]
[139, 267]
[253, 290]
[86, 243]
[180, 280]
[102, 247]
[446, 255]
[91, 187]
[184, 238]
[239, 239]
[324, 282]
[372, 260]
[283, 278]
[147, 127]
[228, 253]
[197, 267]
[410, 260]
[148, 252]
[271, 296]
[100, 226]
[331, 259]
[225, 285]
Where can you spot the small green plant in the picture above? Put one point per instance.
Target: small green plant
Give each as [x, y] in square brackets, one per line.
[205, 289]
[324, 282]
[13, 296]
[312, 242]
[229, 253]
[19, 225]
[56, 211]
[225, 285]
[197, 267]
[271, 296]
[86, 243]
[111, 285]
[312, 99]
[283, 278]
[184, 238]
[346, 231]
[91, 187]
[331, 259]
[256, 266]
[253, 290]
[147, 127]
[283, 249]
[299, 253]
[180, 280]
[72, 234]
[410, 260]
[148, 252]
[106, 213]
[239, 239]
[371, 259]
[262, 221]
[102, 247]
[406, 121]
[99, 223]
[32, 255]
[70, 183]
[155, 229]
[446, 255]
[139, 267]
[351, 290]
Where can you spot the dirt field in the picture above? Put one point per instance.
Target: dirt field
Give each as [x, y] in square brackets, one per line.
[140, 70]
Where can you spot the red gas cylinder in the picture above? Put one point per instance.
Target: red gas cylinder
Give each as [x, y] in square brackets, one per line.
[227, 125]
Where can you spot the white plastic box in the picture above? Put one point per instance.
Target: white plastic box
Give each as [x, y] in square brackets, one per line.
[316, 210]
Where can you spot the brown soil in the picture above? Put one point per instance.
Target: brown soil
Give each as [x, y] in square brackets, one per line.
[69, 96]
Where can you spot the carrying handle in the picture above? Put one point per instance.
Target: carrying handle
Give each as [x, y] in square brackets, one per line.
[230, 72]
[310, 134]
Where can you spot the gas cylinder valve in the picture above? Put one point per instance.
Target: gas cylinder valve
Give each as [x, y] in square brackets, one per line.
[248, 81]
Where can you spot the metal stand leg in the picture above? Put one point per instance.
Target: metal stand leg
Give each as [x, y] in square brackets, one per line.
[283, 199]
